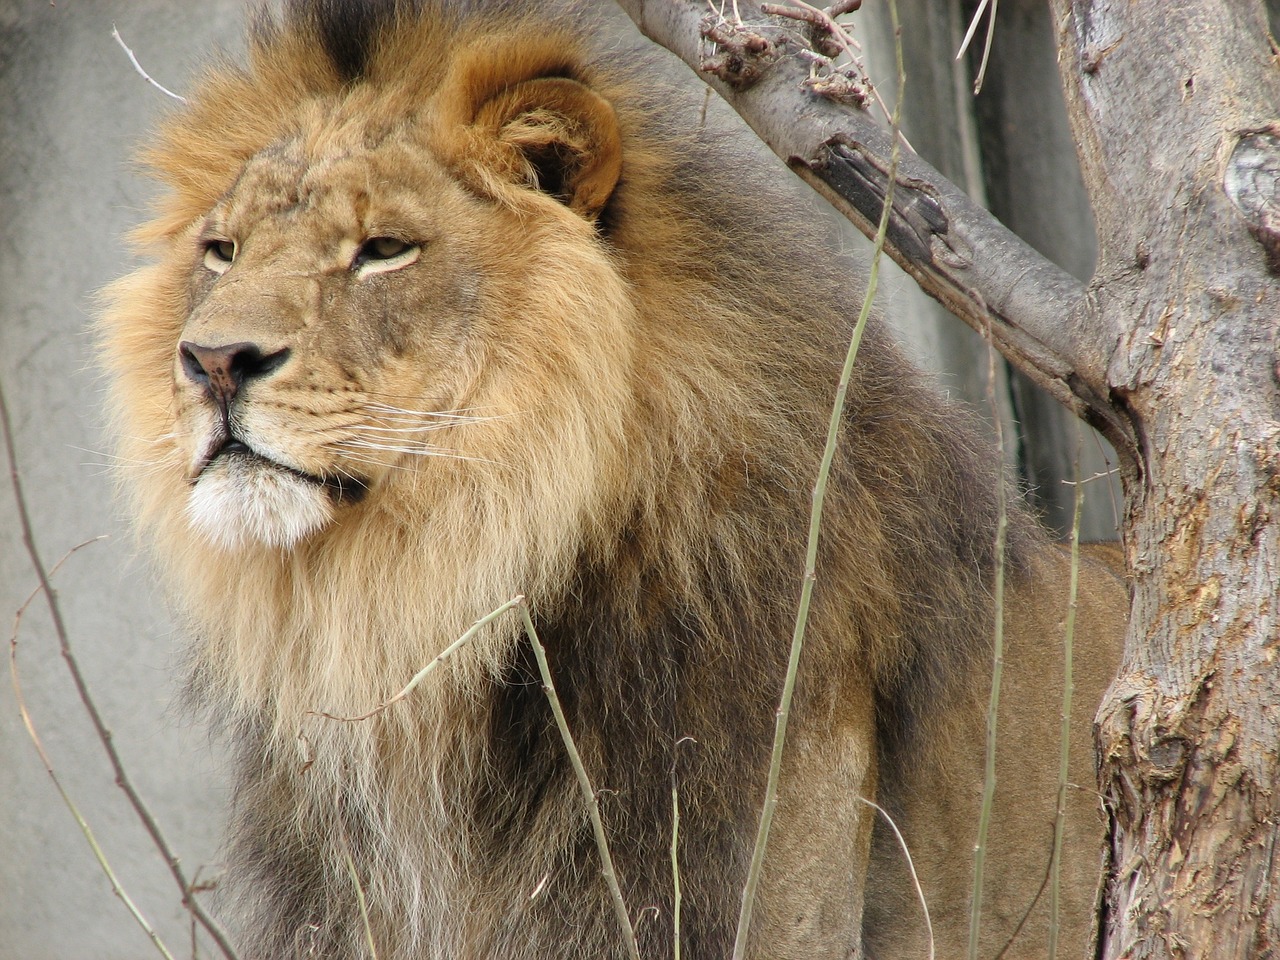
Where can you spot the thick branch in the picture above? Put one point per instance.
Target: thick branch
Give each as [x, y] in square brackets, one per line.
[1036, 314]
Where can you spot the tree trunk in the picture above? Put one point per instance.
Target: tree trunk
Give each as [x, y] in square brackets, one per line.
[1174, 109]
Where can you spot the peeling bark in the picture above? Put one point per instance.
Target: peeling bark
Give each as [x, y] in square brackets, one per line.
[1173, 105]
[1252, 181]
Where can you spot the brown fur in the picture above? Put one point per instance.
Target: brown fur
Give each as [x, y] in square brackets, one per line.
[602, 383]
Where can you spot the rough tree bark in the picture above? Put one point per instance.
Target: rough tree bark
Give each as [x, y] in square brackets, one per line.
[1172, 351]
[1175, 110]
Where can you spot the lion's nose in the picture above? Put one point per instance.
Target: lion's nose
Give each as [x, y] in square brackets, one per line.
[223, 370]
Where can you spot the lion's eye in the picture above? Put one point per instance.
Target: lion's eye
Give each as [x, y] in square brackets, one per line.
[383, 248]
[218, 255]
[383, 254]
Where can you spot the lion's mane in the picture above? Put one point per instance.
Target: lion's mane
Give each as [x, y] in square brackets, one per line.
[653, 381]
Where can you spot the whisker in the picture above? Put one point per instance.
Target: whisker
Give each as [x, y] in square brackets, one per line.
[420, 428]
[416, 451]
[341, 450]
[109, 458]
[163, 438]
[463, 415]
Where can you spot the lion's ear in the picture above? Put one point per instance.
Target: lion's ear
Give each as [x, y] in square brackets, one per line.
[553, 134]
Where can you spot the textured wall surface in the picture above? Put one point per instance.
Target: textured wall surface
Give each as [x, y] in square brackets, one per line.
[72, 107]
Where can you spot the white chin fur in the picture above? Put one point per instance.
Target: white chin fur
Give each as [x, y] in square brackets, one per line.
[235, 503]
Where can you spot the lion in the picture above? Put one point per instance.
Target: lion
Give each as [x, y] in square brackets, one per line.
[448, 306]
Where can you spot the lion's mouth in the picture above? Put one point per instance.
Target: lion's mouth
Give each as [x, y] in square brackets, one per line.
[232, 451]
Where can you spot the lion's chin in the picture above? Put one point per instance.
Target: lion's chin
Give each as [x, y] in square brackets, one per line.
[240, 501]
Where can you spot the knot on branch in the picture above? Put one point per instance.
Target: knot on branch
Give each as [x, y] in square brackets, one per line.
[836, 70]
[1139, 752]
[744, 51]
[742, 54]
[1252, 182]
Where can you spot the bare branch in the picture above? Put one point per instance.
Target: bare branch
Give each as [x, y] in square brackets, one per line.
[584, 781]
[1038, 315]
[104, 734]
[142, 73]
[421, 675]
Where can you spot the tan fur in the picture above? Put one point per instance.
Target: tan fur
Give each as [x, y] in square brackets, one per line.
[591, 383]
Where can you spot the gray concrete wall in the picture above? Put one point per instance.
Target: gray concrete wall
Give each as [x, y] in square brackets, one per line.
[72, 107]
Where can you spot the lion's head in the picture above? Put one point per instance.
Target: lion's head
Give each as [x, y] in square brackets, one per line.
[360, 305]
[365, 296]
[385, 324]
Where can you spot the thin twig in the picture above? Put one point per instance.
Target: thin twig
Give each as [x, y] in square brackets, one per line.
[911, 867]
[986, 48]
[27, 721]
[588, 792]
[361, 900]
[422, 674]
[997, 668]
[137, 66]
[83, 824]
[1068, 689]
[815, 523]
[189, 900]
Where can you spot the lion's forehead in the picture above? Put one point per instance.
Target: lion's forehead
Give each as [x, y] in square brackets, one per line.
[344, 192]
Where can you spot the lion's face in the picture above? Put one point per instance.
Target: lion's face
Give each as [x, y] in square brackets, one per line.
[382, 374]
[368, 317]
[340, 318]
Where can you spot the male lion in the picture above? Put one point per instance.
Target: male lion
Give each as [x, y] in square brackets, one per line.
[449, 306]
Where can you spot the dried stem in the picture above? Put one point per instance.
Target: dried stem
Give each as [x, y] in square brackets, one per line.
[1068, 690]
[142, 73]
[588, 792]
[422, 674]
[675, 871]
[997, 670]
[911, 868]
[85, 829]
[361, 901]
[986, 48]
[104, 734]
[98, 853]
